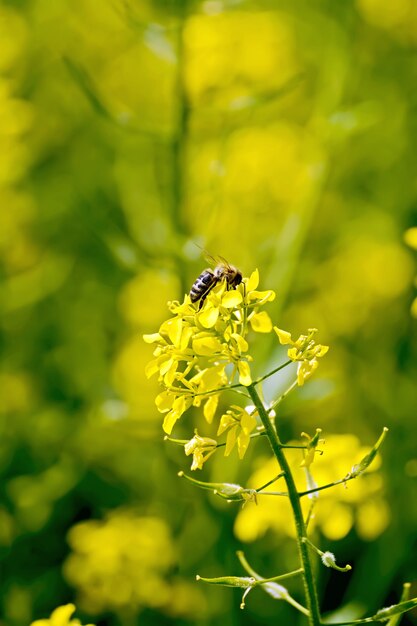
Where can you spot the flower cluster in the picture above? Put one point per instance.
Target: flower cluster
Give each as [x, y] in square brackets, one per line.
[120, 563]
[203, 350]
[304, 350]
[200, 351]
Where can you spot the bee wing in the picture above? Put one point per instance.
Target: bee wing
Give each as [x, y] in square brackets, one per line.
[222, 260]
[213, 260]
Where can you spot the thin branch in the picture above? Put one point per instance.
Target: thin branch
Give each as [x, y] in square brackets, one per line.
[274, 371]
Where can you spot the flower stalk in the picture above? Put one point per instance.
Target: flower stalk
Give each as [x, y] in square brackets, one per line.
[294, 498]
[202, 351]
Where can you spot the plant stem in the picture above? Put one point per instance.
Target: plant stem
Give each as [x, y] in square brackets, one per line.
[274, 371]
[284, 395]
[309, 583]
[342, 481]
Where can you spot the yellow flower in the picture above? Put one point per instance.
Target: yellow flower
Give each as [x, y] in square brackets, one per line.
[239, 423]
[120, 563]
[60, 617]
[260, 322]
[312, 444]
[304, 350]
[194, 347]
[244, 373]
[201, 448]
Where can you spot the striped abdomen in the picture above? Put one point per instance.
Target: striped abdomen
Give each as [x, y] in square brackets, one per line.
[202, 285]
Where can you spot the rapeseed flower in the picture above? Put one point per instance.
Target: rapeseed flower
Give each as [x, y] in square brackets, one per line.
[120, 563]
[202, 351]
[310, 452]
[239, 424]
[303, 350]
[201, 448]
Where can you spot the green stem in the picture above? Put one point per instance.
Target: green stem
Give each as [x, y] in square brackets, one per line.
[309, 583]
[284, 395]
[328, 486]
[277, 369]
[270, 482]
[275, 579]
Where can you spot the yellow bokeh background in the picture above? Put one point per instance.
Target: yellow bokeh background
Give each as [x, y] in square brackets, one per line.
[135, 135]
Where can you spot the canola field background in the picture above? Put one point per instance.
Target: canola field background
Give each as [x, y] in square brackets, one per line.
[280, 135]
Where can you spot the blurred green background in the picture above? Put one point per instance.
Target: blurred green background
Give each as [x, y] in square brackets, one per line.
[278, 134]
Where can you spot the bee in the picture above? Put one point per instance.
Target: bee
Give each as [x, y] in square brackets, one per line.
[210, 278]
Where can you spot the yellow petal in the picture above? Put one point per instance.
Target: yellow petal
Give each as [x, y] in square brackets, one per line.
[197, 377]
[292, 354]
[170, 374]
[210, 408]
[226, 421]
[243, 441]
[305, 370]
[190, 446]
[242, 344]
[309, 458]
[152, 338]
[165, 366]
[180, 404]
[164, 401]
[61, 615]
[211, 378]
[175, 330]
[323, 350]
[253, 281]
[247, 422]
[232, 299]
[152, 368]
[283, 336]
[169, 421]
[208, 316]
[244, 373]
[414, 308]
[262, 296]
[206, 346]
[301, 374]
[198, 460]
[230, 441]
[187, 333]
[261, 322]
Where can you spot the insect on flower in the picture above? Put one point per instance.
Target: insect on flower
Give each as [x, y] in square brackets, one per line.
[210, 278]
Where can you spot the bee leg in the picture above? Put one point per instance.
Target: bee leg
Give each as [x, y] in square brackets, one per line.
[202, 300]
